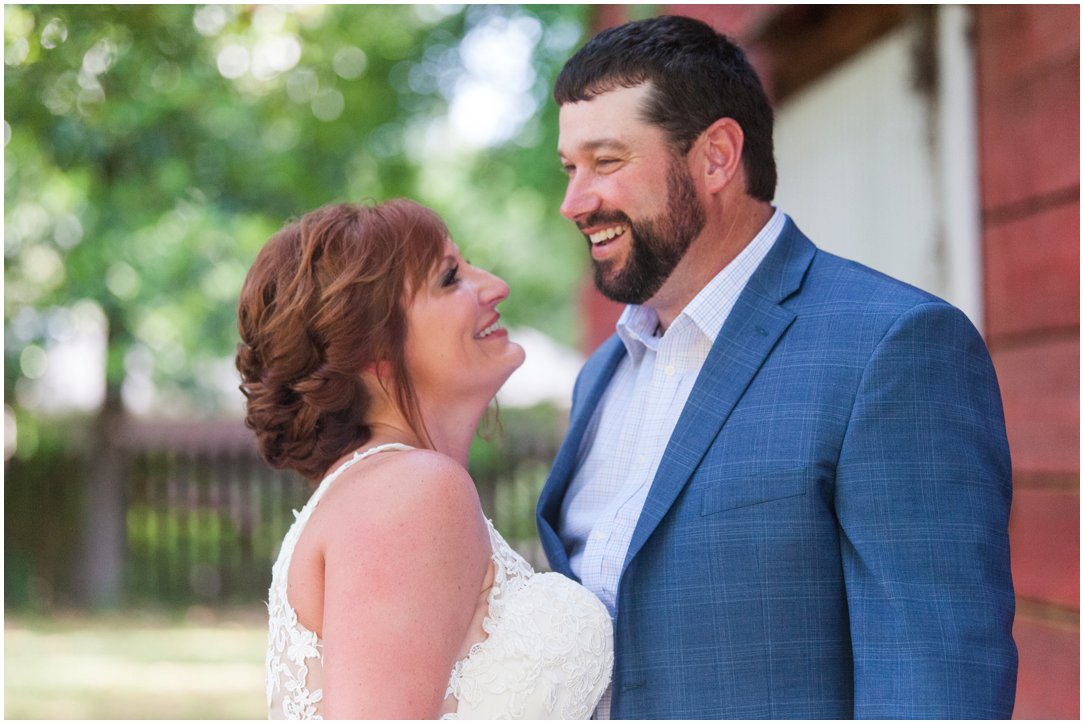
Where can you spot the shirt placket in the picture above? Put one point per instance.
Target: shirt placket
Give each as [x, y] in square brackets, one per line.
[649, 426]
[604, 551]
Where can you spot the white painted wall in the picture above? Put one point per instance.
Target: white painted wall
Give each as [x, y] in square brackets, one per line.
[874, 170]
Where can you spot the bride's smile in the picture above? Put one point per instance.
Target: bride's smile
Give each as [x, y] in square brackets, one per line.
[456, 344]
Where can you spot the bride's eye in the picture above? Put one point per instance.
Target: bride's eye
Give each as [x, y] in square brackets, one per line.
[450, 277]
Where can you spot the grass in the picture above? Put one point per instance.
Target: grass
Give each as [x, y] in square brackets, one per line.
[200, 664]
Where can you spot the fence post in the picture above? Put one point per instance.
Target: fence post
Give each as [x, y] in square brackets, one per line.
[101, 570]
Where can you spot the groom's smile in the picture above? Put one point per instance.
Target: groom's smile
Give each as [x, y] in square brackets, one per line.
[629, 192]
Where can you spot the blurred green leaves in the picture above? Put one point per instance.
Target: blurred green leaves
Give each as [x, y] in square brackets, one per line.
[151, 149]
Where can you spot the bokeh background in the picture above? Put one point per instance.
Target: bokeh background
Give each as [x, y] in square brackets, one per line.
[150, 150]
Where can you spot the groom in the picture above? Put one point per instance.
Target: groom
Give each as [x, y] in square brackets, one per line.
[786, 475]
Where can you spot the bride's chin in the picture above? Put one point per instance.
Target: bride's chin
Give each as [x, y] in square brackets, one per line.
[520, 356]
[517, 358]
[508, 371]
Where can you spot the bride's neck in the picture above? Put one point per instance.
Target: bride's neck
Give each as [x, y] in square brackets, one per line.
[450, 427]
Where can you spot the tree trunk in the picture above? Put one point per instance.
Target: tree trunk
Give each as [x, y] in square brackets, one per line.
[103, 551]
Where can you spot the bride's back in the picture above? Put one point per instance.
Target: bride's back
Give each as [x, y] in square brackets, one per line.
[526, 645]
[379, 587]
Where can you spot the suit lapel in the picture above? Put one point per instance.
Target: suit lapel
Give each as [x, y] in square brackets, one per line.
[595, 378]
[747, 338]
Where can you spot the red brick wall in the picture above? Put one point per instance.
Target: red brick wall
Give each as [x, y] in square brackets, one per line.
[1028, 66]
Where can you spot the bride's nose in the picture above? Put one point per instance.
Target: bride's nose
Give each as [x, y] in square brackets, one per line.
[492, 289]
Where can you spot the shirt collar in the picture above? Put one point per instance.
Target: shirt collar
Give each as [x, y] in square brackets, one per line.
[637, 327]
[711, 306]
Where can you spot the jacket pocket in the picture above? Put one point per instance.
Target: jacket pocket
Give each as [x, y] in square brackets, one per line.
[742, 492]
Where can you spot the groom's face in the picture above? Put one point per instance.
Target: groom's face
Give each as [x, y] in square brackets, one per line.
[629, 193]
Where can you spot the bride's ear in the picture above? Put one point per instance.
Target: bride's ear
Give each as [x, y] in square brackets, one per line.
[380, 370]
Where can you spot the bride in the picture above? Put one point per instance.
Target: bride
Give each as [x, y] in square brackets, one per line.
[369, 352]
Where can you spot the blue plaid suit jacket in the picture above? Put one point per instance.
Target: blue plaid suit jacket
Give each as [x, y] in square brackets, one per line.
[827, 534]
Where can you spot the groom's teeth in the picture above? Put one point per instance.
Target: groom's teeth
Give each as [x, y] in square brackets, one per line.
[606, 234]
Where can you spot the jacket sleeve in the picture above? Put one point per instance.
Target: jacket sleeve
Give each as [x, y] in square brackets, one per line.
[923, 488]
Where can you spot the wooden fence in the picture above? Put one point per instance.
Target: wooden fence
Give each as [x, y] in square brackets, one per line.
[204, 516]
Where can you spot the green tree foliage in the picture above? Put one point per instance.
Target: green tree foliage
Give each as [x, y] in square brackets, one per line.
[151, 149]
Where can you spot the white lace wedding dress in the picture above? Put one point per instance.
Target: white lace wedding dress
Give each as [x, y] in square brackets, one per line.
[548, 653]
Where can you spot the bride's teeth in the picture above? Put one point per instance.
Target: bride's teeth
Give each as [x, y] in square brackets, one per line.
[489, 330]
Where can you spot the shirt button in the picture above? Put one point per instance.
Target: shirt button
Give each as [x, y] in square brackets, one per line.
[670, 370]
[642, 460]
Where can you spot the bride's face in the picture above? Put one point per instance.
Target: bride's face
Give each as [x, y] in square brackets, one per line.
[455, 346]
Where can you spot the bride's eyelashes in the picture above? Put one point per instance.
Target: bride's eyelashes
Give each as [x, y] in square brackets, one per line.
[451, 276]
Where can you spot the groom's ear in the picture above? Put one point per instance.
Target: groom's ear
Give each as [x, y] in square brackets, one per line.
[720, 152]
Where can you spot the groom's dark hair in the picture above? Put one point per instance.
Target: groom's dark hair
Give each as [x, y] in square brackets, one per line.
[697, 76]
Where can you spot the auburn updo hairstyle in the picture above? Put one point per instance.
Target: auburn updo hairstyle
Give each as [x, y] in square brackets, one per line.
[325, 298]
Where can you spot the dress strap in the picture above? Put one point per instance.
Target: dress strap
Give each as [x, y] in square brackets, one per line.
[358, 456]
[301, 517]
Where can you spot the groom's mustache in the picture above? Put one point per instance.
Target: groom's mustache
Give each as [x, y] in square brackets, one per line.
[602, 218]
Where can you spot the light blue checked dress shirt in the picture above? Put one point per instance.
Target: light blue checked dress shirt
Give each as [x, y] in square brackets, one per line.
[625, 440]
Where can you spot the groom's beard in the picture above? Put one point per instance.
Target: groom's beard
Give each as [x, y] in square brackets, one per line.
[655, 245]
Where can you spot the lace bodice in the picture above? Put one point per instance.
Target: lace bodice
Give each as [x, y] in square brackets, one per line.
[548, 651]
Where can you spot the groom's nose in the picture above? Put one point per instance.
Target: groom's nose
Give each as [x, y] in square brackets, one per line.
[580, 200]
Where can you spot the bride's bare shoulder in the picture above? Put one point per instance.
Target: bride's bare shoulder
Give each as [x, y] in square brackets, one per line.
[414, 476]
[404, 490]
